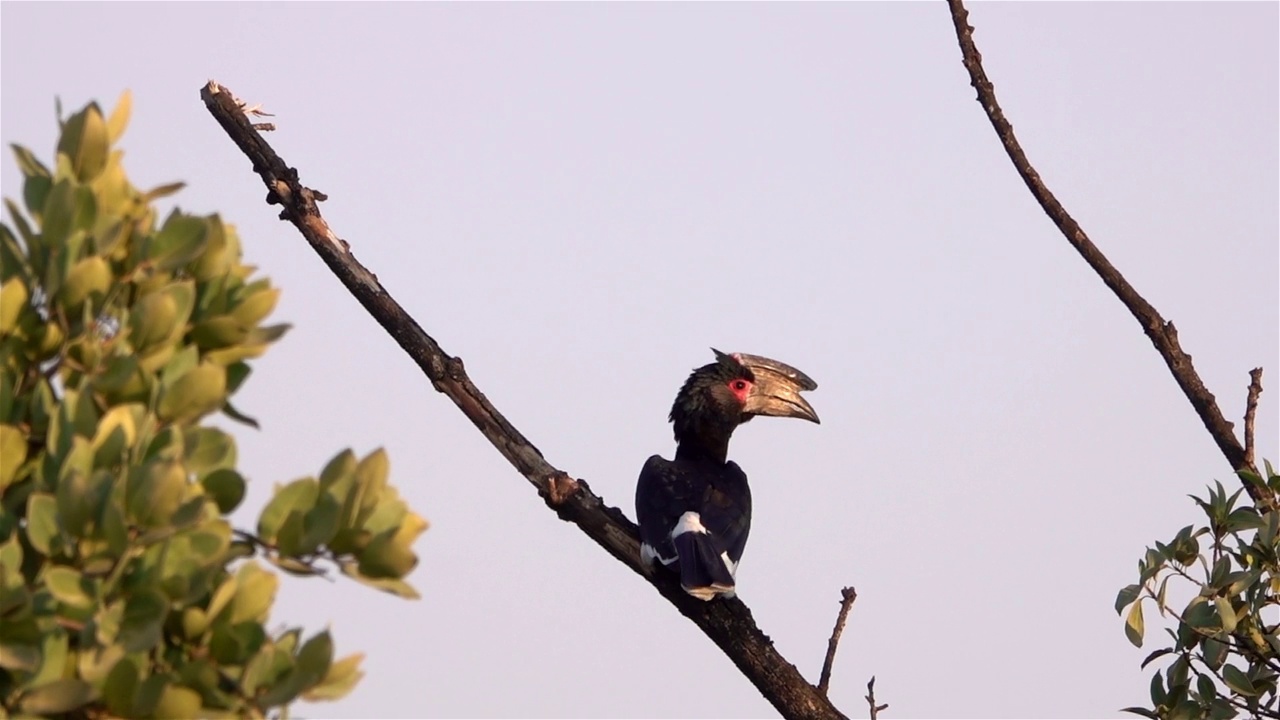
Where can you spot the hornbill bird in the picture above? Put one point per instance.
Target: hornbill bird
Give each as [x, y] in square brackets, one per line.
[695, 511]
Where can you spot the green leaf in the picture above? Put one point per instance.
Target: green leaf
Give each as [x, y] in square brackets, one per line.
[385, 557]
[1185, 710]
[341, 678]
[314, 659]
[1220, 709]
[18, 656]
[179, 241]
[67, 586]
[148, 695]
[153, 319]
[121, 688]
[179, 363]
[237, 373]
[177, 701]
[1205, 688]
[155, 490]
[13, 300]
[226, 487]
[53, 657]
[1218, 576]
[42, 524]
[394, 586]
[1202, 616]
[1126, 596]
[339, 470]
[13, 260]
[1215, 652]
[119, 119]
[89, 279]
[1133, 625]
[219, 332]
[1226, 613]
[222, 597]
[199, 392]
[59, 696]
[320, 524]
[254, 308]
[13, 452]
[255, 591]
[96, 664]
[163, 191]
[267, 334]
[85, 142]
[11, 556]
[230, 411]
[29, 164]
[209, 449]
[143, 622]
[1238, 681]
[1154, 655]
[236, 644]
[81, 495]
[296, 498]
[1141, 711]
[309, 669]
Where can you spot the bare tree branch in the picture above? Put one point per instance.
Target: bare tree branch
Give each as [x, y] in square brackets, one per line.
[1161, 332]
[847, 596]
[873, 708]
[1251, 409]
[727, 622]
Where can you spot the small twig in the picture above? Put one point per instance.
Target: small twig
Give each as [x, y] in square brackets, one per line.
[253, 540]
[1161, 332]
[873, 708]
[847, 596]
[1251, 409]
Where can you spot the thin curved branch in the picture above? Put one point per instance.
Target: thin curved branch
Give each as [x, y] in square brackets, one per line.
[727, 622]
[1161, 332]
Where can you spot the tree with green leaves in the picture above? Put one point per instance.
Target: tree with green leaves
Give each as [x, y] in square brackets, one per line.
[125, 589]
[1224, 643]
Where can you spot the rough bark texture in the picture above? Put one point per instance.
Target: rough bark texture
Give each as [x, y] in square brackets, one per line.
[1161, 332]
[728, 623]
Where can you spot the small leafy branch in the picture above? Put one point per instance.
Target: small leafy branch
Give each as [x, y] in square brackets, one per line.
[1226, 655]
[124, 589]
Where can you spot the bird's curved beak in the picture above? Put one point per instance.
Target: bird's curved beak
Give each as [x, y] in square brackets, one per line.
[777, 389]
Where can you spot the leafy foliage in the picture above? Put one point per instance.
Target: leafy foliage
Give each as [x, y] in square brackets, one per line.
[124, 589]
[1225, 650]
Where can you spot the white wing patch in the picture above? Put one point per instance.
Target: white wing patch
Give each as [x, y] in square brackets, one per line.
[648, 555]
[731, 565]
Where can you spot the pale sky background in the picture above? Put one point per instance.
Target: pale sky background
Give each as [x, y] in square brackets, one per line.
[580, 199]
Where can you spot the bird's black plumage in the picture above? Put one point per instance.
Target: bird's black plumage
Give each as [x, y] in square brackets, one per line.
[695, 510]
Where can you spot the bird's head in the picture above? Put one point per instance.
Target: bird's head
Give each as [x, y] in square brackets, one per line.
[735, 388]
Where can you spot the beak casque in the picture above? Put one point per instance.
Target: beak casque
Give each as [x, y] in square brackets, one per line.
[777, 388]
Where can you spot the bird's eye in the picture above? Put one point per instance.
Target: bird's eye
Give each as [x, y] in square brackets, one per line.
[739, 385]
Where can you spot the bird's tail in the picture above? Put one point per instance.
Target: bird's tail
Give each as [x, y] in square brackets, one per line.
[705, 570]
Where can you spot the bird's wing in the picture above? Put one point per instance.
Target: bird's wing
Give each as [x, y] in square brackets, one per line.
[663, 494]
[726, 511]
[720, 496]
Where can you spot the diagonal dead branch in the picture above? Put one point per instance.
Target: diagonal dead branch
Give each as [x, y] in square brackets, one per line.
[1162, 333]
[1251, 409]
[727, 622]
[847, 596]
